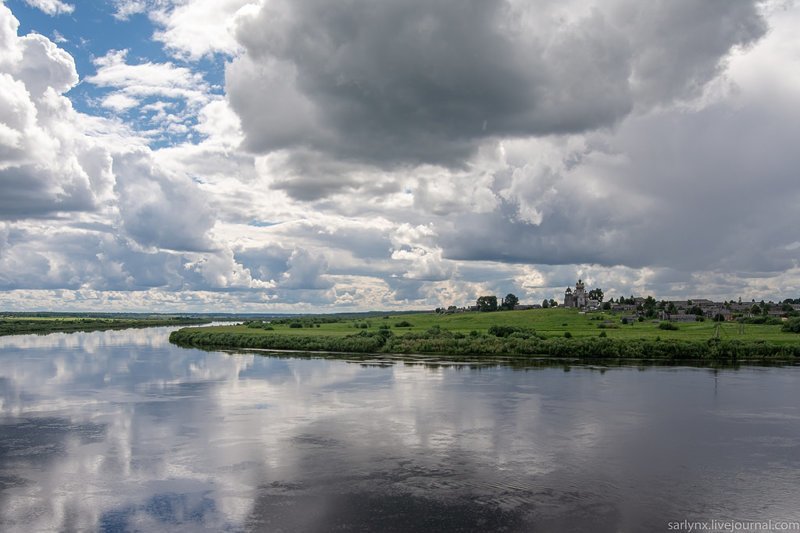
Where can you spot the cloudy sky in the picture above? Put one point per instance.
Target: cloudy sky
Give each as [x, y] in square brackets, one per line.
[313, 156]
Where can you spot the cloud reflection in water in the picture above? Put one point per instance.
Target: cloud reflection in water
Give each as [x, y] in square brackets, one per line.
[121, 430]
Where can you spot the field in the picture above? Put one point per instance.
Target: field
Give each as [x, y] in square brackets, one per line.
[547, 322]
[540, 331]
[21, 325]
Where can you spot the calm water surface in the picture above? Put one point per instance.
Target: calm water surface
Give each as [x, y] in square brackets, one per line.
[121, 431]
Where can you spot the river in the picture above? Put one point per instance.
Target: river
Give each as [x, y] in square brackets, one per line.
[121, 431]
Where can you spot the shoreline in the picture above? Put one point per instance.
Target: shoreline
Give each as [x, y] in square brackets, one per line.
[486, 347]
[17, 326]
[523, 361]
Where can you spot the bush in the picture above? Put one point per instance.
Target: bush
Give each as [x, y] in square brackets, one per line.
[624, 320]
[669, 326]
[434, 330]
[383, 341]
[603, 334]
[295, 325]
[767, 320]
[792, 326]
[404, 324]
[568, 335]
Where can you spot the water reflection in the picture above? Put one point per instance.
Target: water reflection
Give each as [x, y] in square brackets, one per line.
[123, 431]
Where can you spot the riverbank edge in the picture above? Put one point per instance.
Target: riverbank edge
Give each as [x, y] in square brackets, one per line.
[580, 348]
[46, 327]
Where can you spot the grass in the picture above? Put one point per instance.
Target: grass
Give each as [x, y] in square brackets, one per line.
[548, 332]
[546, 322]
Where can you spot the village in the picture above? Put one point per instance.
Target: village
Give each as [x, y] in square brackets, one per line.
[637, 308]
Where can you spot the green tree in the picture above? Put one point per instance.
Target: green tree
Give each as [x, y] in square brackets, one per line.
[510, 302]
[596, 294]
[649, 307]
[487, 303]
[545, 304]
[792, 326]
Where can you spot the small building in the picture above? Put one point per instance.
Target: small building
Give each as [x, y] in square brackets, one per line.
[682, 317]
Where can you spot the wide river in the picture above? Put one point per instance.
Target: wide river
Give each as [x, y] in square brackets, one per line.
[121, 431]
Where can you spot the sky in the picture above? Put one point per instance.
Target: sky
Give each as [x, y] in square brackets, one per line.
[314, 156]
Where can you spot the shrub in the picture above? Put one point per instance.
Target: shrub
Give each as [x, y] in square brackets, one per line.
[603, 334]
[624, 320]
[434, 330]
[404, 324]
[669, 326]
[567, 335]
[295, 325]
[792, 326]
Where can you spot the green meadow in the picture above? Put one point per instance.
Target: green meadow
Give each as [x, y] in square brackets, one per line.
[548, 322]
[553, 332]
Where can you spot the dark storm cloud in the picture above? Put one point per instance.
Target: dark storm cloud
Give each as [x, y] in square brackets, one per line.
[711, 190]
[409, 82]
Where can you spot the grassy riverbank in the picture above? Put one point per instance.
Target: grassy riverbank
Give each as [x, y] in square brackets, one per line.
[16, 325]
[539, 332]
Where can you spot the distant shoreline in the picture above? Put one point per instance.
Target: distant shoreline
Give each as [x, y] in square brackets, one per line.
[44, 326]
